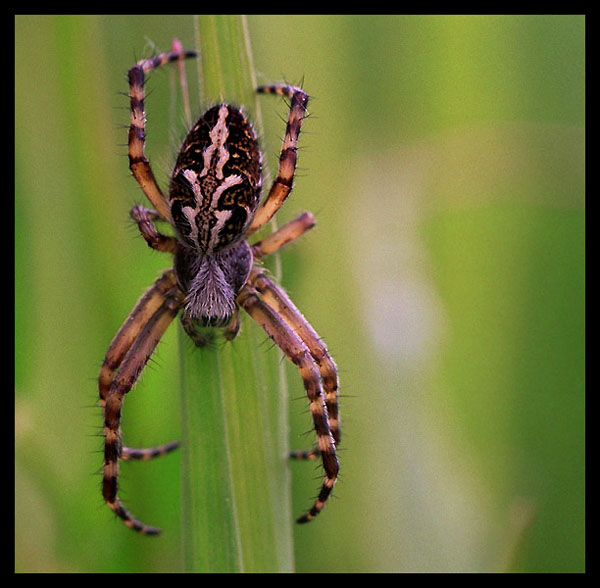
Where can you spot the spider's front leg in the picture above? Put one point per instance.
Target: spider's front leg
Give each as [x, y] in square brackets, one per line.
[128, 354]
[138, 163]
[282, 185]
[296, 350]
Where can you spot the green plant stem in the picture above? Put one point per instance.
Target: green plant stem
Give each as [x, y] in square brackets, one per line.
[236, 484]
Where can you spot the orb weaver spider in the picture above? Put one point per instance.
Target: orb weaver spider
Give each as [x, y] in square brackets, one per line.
[213, 205]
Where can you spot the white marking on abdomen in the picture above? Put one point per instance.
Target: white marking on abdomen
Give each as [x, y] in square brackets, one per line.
[218, 136]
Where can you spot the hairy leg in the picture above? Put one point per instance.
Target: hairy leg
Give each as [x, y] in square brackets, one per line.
[293, 347]
[127, 356]
[290, 231]
[148, 453]
[277, 299]
[147, 305]
[282, 185]
[138, 163]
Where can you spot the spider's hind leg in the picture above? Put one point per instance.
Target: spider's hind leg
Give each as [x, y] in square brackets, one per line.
[277, 299]
[147, 305]
[280, 302]
[297, 351]
[305, 454]
[126, 357]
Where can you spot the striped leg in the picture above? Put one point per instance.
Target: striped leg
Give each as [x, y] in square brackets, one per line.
[128, 354]
[290, 231]
[139, 165]
[277, 299]
[270, 244]
[148, 453]
[293, 347]
[148, 304]
[145, 217]
[287, 159]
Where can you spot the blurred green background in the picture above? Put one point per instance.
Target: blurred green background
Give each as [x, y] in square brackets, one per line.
[444, 161]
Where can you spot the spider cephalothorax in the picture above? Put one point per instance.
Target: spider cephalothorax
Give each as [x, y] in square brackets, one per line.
[213, 204]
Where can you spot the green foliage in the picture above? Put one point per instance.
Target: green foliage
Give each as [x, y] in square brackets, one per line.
[236, 503]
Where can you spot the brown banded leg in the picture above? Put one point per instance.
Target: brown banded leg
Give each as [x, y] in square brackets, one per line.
[145, 217]
[146, 306]
[287, 160]
[127, 355]
[138, 163]
[277, 299]
[290, 231]
[293, 347]
[122, 342]
[270, 244]
[148, 453]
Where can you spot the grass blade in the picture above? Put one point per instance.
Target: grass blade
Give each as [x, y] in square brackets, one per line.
[236, 485]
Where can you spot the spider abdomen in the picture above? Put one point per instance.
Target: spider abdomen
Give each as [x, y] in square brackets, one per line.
[216, 182]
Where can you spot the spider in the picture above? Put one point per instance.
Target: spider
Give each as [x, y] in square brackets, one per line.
[213, 205]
